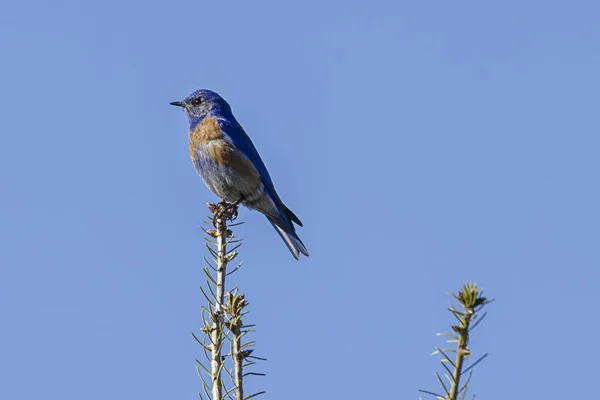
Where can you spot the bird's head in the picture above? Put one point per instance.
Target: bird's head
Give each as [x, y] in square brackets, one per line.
[201, 104]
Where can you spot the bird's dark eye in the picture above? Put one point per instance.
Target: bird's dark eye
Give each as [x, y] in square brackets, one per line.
[197, 101]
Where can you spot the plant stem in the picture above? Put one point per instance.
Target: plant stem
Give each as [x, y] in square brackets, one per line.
[217, 325]
[238, 359]
[461, 352]
[472, 300]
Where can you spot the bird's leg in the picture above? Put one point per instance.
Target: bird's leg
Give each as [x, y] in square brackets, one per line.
[231, 209]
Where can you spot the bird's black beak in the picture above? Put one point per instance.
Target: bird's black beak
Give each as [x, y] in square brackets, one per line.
[177, 103]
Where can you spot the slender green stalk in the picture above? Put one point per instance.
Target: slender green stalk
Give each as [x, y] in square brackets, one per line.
[472, 301]
[236, 304]
[461, 352]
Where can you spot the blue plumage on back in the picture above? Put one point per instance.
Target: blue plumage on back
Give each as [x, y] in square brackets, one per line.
[230, 165]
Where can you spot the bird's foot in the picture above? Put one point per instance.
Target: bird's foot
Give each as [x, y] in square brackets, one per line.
[224, 210]
[232, 208]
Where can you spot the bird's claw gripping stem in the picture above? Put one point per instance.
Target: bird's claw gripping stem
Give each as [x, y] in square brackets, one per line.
[228, 211]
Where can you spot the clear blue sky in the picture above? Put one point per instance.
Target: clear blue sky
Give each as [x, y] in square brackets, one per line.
[421, 143]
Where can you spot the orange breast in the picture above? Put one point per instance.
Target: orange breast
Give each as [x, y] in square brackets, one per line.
[206, 131]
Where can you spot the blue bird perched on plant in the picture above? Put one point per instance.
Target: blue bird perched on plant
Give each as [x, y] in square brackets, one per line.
[226, 159]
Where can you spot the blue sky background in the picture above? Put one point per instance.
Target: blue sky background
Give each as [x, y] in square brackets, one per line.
[422, 144]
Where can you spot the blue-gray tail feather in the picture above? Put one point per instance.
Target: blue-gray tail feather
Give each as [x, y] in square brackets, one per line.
[289, 236]
[290, 215]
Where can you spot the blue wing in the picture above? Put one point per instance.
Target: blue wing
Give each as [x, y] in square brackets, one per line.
[242, 142]
[282, 224]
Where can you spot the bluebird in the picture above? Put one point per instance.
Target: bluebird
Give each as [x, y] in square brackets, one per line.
[228, 163]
